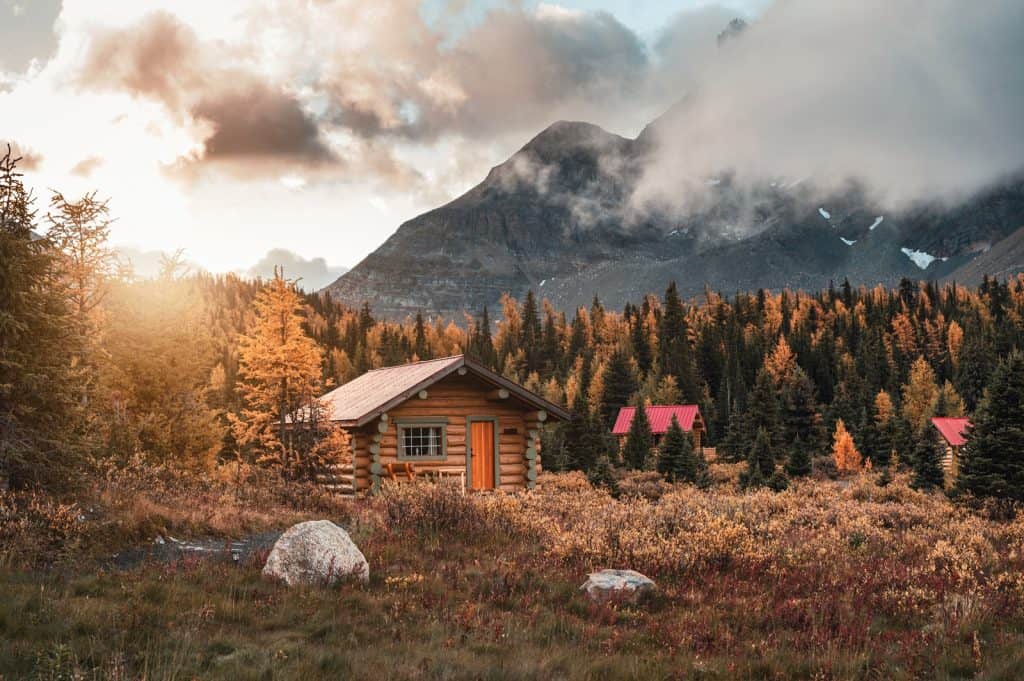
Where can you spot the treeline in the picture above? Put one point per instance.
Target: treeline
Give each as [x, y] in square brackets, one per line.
[98, 366]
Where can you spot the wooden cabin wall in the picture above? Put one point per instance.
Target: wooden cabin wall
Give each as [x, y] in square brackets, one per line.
[455, 398]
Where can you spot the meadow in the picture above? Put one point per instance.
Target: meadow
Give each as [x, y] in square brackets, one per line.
[830, 579]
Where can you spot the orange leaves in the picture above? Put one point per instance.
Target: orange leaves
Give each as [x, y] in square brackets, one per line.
[844, 452]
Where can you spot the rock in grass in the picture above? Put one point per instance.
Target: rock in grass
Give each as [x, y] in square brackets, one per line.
[627, 586]
[316, 552]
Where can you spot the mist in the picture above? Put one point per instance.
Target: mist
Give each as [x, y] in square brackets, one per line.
[917, 101]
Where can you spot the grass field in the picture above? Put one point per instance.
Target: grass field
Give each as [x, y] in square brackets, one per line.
[828, 580]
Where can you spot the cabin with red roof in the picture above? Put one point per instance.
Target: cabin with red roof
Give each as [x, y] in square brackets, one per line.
[660, 417]
[953, 431]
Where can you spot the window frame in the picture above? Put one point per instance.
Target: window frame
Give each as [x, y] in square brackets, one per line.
[404, 424]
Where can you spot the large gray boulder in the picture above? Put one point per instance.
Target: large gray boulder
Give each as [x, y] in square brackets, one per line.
[316, 552]
[628, 586]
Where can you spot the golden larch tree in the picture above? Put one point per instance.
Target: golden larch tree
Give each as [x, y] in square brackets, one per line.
[781, 363]
[844, 452]
[280, 370]
[884, 409]
[920, 394]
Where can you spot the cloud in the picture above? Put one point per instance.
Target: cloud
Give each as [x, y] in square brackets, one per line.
[86, 167]
[315, 274]
[333, 83]
[915, 100]
[247, 117]
[29, 159]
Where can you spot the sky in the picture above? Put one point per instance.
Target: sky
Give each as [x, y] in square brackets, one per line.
[316, 127]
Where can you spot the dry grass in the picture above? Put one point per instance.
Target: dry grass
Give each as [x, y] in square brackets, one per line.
[828, 580]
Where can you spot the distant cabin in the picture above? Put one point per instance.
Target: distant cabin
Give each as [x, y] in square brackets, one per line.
[953, 431]
[449, 417]
[660, 417]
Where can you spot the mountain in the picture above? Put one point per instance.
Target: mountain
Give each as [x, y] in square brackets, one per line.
[557, 217]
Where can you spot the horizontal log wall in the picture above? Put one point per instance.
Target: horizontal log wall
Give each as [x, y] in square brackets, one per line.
[454, 399]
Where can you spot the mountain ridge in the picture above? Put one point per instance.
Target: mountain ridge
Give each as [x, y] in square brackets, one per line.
[558, 217]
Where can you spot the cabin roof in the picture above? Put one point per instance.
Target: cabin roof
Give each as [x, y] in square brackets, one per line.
[365, 398]
[952, 429]
[660, 416]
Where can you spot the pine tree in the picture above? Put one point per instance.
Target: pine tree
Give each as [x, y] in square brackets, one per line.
[42, 424]
[640, 440]
[674, 355]
[420, 347]
[280, 366]
[844, 452]
[763, 410]
[802, 423]
[583, 441]
[675, 456]
[992, 461]
[927, 461]
[603, 475]
[760, 461]
[530, 332]
[619, 386]
[798, 463]
[641, 344]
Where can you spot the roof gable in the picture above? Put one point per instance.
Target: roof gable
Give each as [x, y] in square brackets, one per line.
[366, 397]
[952, 429]
[660, 417]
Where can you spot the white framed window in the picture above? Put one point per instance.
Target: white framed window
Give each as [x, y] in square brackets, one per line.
[422, 441]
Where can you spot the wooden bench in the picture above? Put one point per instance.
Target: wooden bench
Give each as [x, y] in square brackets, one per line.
[404, 469]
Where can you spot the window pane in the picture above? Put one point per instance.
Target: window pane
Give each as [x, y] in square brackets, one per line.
[422, 441]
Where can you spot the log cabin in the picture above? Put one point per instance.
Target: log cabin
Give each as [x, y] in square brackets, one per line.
[449, 417]
[660, 417]
[953, 431]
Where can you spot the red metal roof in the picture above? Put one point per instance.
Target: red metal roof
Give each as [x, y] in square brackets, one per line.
[660, 417]
[952, 429]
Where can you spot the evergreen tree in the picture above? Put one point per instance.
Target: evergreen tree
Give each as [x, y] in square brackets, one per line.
[530, 338]
[603, 475]
[641, 344]
[974, 367]
[640, 440]
[992, 461]
[760, 461]
[798, 463]
[675, 456]
[674, 355]
[927, 461]
[42, 424]
[583, 440]
[420, 347]
[763, 410]
[802, 422]
[619, 386]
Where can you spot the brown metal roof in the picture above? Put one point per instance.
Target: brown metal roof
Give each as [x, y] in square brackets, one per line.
[363, 399]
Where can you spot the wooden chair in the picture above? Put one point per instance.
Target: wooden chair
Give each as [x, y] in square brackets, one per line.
[406, 470]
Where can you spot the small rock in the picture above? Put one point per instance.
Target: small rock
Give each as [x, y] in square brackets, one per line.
[315, 552]
[623, 585]
[158, 540]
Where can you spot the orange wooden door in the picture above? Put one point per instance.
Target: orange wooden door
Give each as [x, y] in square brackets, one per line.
[482, 454]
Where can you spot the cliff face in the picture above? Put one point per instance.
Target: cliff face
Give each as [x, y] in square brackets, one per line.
[557, 217]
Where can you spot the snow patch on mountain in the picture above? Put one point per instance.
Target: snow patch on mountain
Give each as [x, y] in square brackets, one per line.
[825, 214]
[848, 242]
[878, 221]
[920, 258]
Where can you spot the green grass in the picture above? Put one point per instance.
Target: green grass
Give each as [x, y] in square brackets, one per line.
[460, 590]
[469, 617]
